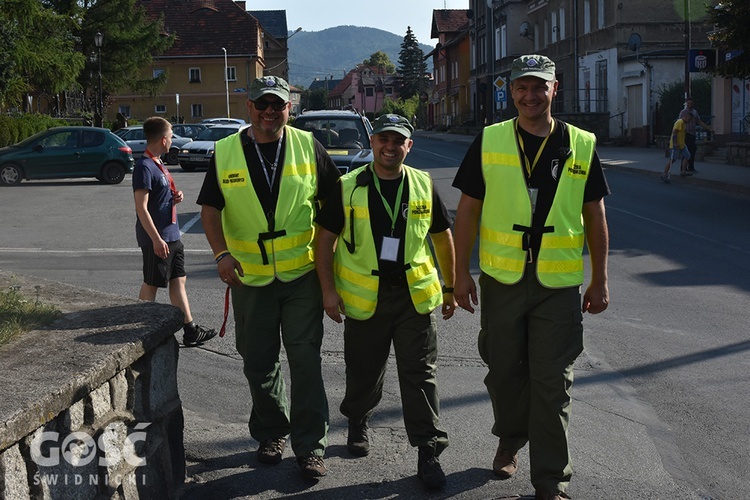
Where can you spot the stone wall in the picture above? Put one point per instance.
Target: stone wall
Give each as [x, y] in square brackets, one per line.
[739, 153]
[89, 405]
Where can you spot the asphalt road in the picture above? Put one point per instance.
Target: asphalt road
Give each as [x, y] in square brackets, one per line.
[673, 343]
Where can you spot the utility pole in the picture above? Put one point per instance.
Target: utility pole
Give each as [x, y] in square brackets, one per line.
[687, 49]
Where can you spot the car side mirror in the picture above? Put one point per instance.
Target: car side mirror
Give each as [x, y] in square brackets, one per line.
[38, 148]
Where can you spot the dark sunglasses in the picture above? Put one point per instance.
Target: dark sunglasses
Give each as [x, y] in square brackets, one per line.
[263, 105]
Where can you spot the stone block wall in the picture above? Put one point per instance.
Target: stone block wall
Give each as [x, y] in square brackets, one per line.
[90, 406]
[739, 153]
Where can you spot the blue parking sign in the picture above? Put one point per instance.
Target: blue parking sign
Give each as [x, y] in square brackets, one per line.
[501, 96]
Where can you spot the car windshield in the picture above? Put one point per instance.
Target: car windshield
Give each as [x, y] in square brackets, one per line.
[215, 133]
[335, 132]
[30, 140]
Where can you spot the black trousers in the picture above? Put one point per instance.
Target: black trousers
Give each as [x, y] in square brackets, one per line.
[692, 147]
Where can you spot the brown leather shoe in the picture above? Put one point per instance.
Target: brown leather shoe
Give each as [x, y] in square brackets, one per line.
[505, 463]
[271, 450]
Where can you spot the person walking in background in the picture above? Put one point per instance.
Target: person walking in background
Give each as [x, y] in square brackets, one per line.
[677, 147]
[533, 189]
[382, 278]
[690, 131]
[258, 202]
[157, 231]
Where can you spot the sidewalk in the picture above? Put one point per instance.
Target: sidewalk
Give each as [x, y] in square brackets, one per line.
[648, 161]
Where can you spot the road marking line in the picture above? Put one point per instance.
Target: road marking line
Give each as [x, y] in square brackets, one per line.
[186, 227]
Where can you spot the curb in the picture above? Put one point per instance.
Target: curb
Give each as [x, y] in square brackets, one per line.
[697, 181]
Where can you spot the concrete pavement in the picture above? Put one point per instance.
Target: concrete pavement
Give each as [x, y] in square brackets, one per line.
[619, 446]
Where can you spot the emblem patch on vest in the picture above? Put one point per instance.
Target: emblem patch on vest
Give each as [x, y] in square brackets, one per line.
[420, 209]
[234, 178]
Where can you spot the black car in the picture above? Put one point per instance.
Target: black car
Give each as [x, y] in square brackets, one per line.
[345, 135]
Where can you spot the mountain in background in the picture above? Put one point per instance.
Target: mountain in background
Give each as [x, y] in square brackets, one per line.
[336, 51]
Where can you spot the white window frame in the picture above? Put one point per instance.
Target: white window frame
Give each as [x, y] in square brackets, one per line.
[197, 72]
[231, 73]
[196, 110]
[160, 108]
[124, 110]
[158, 72]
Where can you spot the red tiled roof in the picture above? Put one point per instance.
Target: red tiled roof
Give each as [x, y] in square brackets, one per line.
[448, 21]
[203, 27]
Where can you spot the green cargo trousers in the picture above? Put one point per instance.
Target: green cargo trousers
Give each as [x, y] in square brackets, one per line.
[297, 309]
[530, 337]
[367, 345]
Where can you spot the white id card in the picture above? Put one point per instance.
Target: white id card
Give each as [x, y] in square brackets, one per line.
[533, 193]
[389, 250]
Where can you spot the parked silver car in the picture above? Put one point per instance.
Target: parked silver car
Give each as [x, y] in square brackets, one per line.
[199, 152]
[133, 137]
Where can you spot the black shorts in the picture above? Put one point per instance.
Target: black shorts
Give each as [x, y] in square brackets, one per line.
[157, 271]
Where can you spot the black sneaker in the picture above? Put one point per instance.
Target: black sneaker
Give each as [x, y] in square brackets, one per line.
[429, 470]
[312, 466]
[271, 450]
[198, 336]
[358, 442]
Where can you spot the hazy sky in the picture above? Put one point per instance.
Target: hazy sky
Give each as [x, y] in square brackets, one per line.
[389, 15]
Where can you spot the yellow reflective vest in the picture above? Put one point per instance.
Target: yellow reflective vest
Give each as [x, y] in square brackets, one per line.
[356, 272]
[284, 251]
[501, 253]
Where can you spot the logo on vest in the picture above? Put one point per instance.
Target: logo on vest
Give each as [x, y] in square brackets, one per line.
[576, 169]
[420, 209]
[234, 179]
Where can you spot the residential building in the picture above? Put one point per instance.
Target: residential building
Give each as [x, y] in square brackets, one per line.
[612, 57]
[451, 100]
[219, 49]
[275, 36]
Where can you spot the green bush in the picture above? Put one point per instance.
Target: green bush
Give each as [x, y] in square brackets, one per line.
[17, 127]
[672, 100]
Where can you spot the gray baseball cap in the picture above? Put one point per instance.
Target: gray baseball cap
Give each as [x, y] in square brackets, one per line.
[269, 85]
[533, 65]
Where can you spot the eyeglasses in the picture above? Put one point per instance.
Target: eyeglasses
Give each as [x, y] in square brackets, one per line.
[276, 105]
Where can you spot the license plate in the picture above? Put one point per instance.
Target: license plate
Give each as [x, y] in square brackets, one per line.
[198, 158]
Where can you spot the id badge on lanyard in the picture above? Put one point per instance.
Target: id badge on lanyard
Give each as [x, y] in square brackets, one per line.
[533, 194]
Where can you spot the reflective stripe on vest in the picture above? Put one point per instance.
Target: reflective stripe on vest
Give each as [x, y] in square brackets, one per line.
[286, 252]
[355, 281]
[501, 253]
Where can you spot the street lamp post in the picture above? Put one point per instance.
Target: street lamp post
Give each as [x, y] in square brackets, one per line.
[98, 40]
[226, 79]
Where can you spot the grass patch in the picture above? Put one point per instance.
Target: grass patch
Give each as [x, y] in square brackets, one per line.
[19, 315]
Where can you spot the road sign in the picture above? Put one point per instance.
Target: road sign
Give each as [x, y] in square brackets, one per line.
[501, 96]
[500, 83]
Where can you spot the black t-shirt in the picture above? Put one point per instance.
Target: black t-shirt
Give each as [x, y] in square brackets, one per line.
[544, 177]
[331, 217]
[328, 174]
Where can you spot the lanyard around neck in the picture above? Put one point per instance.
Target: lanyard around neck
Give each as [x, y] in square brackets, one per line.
[262, 159]
[530, 167]
[392, 211]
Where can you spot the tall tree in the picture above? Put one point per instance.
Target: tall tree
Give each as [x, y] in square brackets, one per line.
[731, 19]
[412, 66]
[130, 41]
[380, 60]
[38, 50]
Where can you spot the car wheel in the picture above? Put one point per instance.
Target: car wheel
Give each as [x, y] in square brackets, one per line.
[187, 168]
[172, 157]
[112, 173]
[10, 174]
